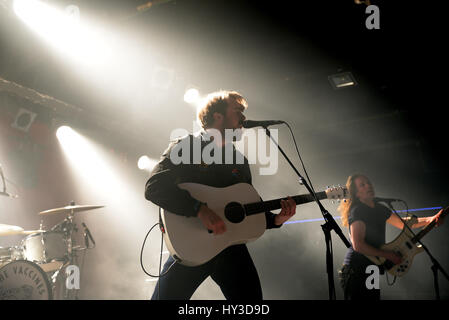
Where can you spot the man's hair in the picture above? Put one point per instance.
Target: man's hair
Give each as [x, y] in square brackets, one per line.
[218, 102]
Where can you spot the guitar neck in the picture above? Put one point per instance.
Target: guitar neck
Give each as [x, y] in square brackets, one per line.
[258, 207]
[429, 227]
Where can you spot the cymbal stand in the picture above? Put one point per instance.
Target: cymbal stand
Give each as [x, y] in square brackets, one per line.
[71, 226]
[73, 256]
[68, 227]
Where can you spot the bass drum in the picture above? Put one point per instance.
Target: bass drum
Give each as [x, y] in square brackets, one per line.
[24, 280]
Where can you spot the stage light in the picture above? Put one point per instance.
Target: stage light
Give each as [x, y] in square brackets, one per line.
[342, 80]
[83, 154]
[96, 173]
[63, 30]
[100, 177]
[63, 133]
[44, 19]
[145, 163]
[191, 95]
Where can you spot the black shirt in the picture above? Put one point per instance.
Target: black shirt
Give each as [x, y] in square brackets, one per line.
[374, 219]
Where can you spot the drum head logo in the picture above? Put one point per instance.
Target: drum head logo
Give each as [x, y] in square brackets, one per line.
[23, 280]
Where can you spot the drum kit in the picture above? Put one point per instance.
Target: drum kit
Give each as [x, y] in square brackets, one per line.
[37, 268]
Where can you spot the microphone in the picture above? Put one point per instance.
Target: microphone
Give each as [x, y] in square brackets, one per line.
[86, 231]
[386, 200]
[262, 123]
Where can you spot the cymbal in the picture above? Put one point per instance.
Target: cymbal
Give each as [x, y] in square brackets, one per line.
[69, 209]
[7, 230]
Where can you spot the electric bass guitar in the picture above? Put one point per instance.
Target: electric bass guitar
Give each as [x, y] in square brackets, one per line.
[240, 207]
[406, 245]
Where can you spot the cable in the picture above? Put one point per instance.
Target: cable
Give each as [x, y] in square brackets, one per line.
[388, 281]
[300, 159]
[160, 260]
[141, 253]
[160, 257]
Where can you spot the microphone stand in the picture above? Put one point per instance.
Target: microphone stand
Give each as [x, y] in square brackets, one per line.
[327, 227]
[435, 264]
[435, 267]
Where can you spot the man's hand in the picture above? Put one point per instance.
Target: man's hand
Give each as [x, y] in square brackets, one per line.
[288, 210]
[393, 257]
[211, 220]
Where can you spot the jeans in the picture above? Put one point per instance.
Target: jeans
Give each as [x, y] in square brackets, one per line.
[232, 269]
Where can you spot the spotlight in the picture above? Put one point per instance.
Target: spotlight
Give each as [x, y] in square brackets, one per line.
[44, 19]
[342, 80]
[191, 95]
[64, 132]
[145, 163]
[64, 31]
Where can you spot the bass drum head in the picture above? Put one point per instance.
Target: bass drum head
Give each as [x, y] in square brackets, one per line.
[24, 280]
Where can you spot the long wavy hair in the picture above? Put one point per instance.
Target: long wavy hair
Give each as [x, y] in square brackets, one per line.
[345, 207]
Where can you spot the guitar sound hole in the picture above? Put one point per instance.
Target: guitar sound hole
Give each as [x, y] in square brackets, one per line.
[234, 212]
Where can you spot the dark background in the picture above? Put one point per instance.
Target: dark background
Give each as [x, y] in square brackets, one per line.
[390, 126]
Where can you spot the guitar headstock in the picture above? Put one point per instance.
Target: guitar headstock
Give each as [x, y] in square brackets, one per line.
[445, 211]
[337, 193]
